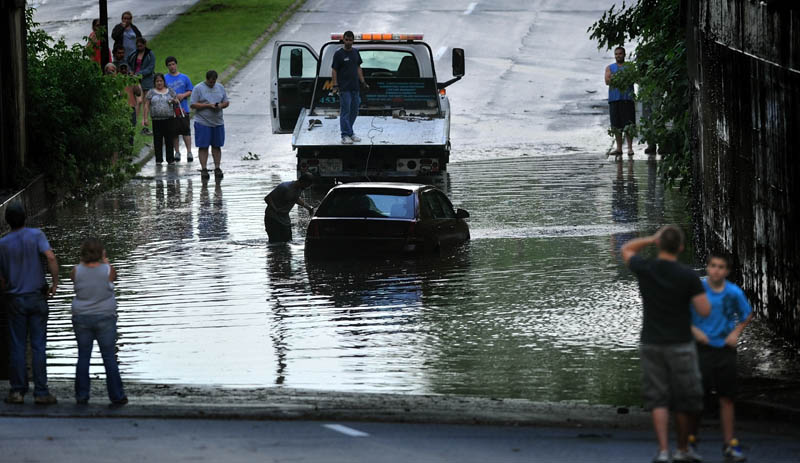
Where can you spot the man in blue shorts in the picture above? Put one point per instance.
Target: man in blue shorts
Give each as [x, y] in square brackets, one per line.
[670, 376]
[23, 283]
[346, 75]
[183, 87]
[209, 99]
[717, 336]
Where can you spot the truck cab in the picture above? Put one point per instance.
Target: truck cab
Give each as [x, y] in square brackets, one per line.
[404, 117]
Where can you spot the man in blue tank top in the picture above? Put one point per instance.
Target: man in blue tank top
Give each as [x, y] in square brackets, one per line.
[620, 104]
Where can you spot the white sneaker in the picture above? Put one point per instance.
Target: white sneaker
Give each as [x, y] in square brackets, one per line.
[690, 455]
[662, 457]
[355, 138]
[347, 140]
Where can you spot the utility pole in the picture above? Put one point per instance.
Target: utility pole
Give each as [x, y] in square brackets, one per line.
[104, 38]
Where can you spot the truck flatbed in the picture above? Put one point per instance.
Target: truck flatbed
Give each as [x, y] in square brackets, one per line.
[373, 130]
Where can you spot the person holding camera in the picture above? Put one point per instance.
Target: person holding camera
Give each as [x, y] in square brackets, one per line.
[159, 105]
[209, 99]
[670, 373]
[23, 284]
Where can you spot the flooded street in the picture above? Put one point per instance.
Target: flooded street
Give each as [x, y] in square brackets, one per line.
[537, 305]
[536, 299]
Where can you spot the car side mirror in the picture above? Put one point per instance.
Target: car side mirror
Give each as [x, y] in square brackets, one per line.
[462, 214]
[296, 62]
[458, 62]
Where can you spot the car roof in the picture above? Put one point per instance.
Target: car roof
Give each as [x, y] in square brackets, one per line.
[387, 185]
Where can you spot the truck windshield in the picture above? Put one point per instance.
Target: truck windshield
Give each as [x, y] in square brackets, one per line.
[377, 203]
[394, 80]
[388, 63]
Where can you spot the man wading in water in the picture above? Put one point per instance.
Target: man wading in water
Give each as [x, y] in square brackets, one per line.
[280, 201]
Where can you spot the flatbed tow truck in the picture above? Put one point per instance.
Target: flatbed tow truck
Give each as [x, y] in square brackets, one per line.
[404, 118]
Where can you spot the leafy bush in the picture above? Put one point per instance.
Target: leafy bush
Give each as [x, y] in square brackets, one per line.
[660, 69]
[77, 117]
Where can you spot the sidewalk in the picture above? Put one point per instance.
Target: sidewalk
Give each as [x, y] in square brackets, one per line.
[161, 401]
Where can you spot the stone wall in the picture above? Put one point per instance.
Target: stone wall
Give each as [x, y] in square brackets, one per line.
[744, 63]
[13, 139]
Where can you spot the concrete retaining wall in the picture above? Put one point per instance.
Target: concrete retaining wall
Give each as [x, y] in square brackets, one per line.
[744, 63]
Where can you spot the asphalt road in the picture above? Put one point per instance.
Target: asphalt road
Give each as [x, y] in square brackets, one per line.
[137, 440]
[72, 19]
[533, 87]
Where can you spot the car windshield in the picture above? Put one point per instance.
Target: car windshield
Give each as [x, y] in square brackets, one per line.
[377, 203]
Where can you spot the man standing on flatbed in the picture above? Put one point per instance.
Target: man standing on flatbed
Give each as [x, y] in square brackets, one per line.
[346, 75]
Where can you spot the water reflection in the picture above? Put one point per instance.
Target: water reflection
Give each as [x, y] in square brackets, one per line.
[282, 281]
[624, 206]
[212, 221]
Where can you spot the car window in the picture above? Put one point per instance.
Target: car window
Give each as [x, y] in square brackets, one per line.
[284, 66]
[377, 203]
[446, 205]
[433, 205]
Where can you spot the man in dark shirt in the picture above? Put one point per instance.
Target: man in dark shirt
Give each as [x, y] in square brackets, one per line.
[280, 201]
[670, 373]
[346, 74]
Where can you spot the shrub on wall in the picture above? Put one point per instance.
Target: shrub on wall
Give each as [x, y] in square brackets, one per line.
[77, 117]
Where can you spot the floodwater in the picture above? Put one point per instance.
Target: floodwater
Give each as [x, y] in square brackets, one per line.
[536, 306]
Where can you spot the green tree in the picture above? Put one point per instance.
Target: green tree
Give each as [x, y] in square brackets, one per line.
[77, 117]
[660, 70]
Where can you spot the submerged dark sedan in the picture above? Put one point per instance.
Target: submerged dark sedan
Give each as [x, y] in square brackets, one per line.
[377, 218]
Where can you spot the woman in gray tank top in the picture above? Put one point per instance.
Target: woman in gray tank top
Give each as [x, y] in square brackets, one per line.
[94, 317]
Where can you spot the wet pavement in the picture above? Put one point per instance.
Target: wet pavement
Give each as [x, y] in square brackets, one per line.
[135, 440]
[536, 306]
[72, 19]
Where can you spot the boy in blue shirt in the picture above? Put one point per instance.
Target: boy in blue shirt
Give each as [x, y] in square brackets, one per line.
[716, 337]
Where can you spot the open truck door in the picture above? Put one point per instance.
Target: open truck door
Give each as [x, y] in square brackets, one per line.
[294, 71]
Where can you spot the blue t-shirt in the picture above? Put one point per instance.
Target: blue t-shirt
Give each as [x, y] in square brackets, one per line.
[20, 260]
[615, 94]
[346, 64]
[729, 307]
[180, 84]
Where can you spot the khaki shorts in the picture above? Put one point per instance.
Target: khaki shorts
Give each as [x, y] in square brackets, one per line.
[671, 377]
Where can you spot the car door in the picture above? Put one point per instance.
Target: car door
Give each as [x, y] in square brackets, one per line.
[433, 221]
[453, 230]
[291, 85]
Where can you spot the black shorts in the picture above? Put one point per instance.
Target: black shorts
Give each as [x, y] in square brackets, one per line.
[622, 112]
[182, 126]
[277, 232]
[718, 369]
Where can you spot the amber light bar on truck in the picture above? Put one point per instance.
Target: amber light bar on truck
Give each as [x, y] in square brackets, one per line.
[377, 37]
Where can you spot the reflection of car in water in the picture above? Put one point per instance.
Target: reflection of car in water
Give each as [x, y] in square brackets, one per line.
[385, 218]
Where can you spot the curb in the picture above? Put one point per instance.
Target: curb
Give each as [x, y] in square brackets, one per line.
[231, 71]
[207, 402]
[162, 401]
